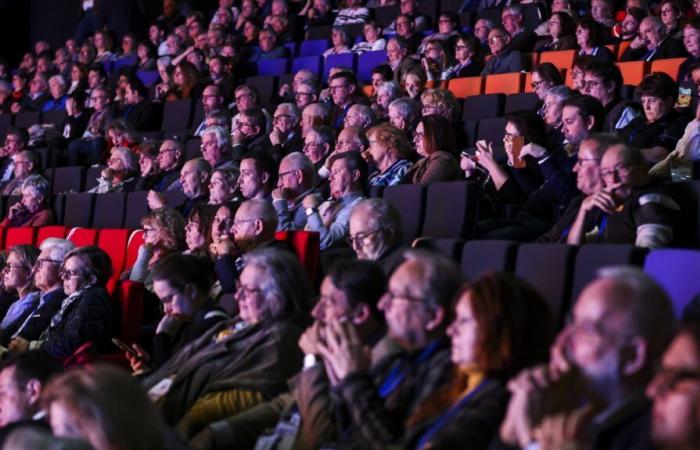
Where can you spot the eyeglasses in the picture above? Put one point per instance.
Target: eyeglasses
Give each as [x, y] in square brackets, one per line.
[68, 274]
[419, 136]
[242, 96]
[620, 169]
[392, 297]
[494, 39]
[668, 380]
[284, 174]
[10, 267]
[301, 94]
[282, 116]
[148, 230]
[337, 88]
[242, 124]
[246, 291]
[40, 262]
[580, 161]
[242, 221]
[357, 241]
[536, 84]
[313, 144]
[590, 84]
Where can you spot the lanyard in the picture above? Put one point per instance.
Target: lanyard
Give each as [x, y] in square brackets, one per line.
[445, 418]
[398, 373]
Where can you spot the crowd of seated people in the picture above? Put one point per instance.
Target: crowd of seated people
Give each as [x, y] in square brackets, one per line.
[385, 345]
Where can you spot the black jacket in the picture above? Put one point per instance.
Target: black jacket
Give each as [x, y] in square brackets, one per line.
[144, 116]
[39, 319]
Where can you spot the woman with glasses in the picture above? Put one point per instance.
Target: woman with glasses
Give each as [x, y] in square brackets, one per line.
[468, 62]
[501, 325]
[544, 77]
[340, 38]
[163, 234]
[589, 37]
[240, 362]
[18, 277]
[562, 30]
[32, 210]
[435, 144]
[436, 60]
[198, 230]
[85, 314]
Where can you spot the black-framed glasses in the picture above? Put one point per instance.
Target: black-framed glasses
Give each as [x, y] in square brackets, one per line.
[246, 291]
[41, 261]
[68, 274]
[357, 240]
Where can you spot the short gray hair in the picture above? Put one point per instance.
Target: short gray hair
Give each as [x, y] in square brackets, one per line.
[38, 184]
[131, 161]
[220, 133]
[325, 133]
[58, 248]
[390, 88]
[657, 23]
[365, 112]
[407, 108]
[292, 110]
[561, 92]
[58, 79]
[262, 210]
[301, 162]
[439, 279]
[379, 214]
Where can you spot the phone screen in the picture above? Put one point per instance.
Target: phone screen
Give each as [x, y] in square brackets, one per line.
[518, 143]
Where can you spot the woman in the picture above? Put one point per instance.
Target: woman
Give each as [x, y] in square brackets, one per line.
[104, 45]
[105, 406]
[148, 166]
[18, 276]
[443, 103]
[185, 82]
[385, 93]
[657, 131]
[78, 78]
[544, 77]
[221, 229]
[434, 141]
[241, 362]
[372, 32]
[501, 326]
[182, 284]
[85, 314]
[589, 37]
[251, 31]
[436, 60]
[353, 12]
[389, 151]
[121, 173]
[468, 63]
[671, 15]
[562, 29]
[340, 38]
[691, 41]
[198, 230]
[414, 83]
[222, 186]
[578, 71]
[514, 183]
[57, 89]
[32, 210]
[146, 54]
[163, 234]
[447, 31]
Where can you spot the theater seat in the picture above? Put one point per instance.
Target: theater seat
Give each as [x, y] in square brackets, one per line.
[313, 47]
[129, 295]
[368, 61]
[54, 231]
[114, 243]
[176, 115]
[450, 248]
[676, 270]
[78, 210]
[562, 59]
[466, 87]
[273, 67]
[479, 257]
[132, 248]
[19, 236]
[409, 200]
[506, 83]
[478, 107]
[668, 66]
[306, 247]
[109, 210]
[312, 63]
[632, 71]
[457, 200]
[82, 236]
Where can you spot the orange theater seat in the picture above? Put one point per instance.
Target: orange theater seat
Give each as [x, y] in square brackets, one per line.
[18, 236]
[368, 90]
[306, 247]
[506, 83]
[113, 242]
[465, 87]
[624, 45]
[562, 59]
[54, 231]
[669, 66]
[632, 71]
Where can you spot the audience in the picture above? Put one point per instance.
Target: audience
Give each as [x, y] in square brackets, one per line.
[32, 209]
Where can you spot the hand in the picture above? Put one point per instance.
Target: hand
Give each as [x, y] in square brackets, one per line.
[225, 247]
[15, 210]
[308, 342]
[155, 200]
[324, 95]
[18, 344]
[534, 150]
[602, 200]
[312, 201]
[139, 364]
[564, 431]
[15, 108]
[107, 173]
[276, 136]
[484, 156]
[343, 350]
[285, 89]
[204, 440]
[367, 156]
[278, 194]
[637, 43]
[237, 137]
[70, 106]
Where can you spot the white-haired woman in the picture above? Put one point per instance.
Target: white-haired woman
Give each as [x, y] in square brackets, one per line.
[121, 173]
[32, 210]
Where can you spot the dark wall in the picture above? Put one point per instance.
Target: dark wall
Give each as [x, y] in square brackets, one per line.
[53, 21]
[14, 29]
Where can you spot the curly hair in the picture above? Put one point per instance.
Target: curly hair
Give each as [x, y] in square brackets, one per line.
[441, 98]
[392, 138]
[172, 227]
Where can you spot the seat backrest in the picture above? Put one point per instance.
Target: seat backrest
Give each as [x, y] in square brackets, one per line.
[266, 86]
[91, 177]
[368, 61]
[318, 32]
[109, 210]
[492, 130]
[136, 208]
[68, 179]
[676, 270]
[506, 83]
[482, 106]
[562, 59]
[451, 210]
[313, 47]
[668, 66]
[54, 117]
[466, 87]
[78, 210]
[272, 67]
[82, 237]
[549, 269]
[450, 248]
[129, 296]
[148, 77]
[522, 101]
[633, 71]
[114, 243]
[306, 245]
[27, 119]
[386, 14]
[479, 257]
[348, 60]
[177, 115]
[19, 235]
[591, 258]
[312, 63]
[132, 248]
[409, 200]
[53, 231]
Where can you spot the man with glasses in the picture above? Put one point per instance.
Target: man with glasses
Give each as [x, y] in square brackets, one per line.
[601, 363]
[342, 86]
[286, 130]
[249, 134]
[295, 181]
[305, 93]
[171, 155]
[521, 39]
[633, 209]
[376, 233]
[25, 163]
[603, 81]
[15, 141]
[247, 97]
[212, 101]
[194, 179]
[47, 278]
[656, 43]
[504, 59]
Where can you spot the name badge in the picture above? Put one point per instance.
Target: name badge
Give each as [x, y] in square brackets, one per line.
[159, 390]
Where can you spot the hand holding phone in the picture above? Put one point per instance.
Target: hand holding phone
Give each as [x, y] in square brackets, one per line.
[517, 143]
[126, 348]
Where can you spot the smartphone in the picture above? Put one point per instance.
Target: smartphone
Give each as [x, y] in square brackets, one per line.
[127, 348]
[517, 145]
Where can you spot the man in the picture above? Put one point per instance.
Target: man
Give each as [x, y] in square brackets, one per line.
[553, 106]
[603, 81]
[25, 163]
[219, 77]
[216, 148]
[212, 101]
[286, 130]
[314, 115]
[331, 219]
[318, 144]
[360, 116]
[269, 47]
[342, 86]
[305, 93]
[588, 182]
[36, 97]
[656, 44]
[249, 134]
[15, 141]
[622, 322]
[482, 28]
[521, 40]
[47, 278]
[23, 378]
[406, 28]
[634, 209]
[504, 59]
[247, 97]
[350, 139]
[258, 171]
[376, 233]
[294, 182]
[194, 178]
[397, 54]
[140, 112]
